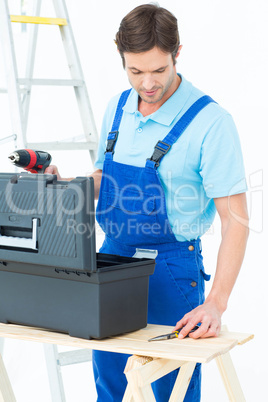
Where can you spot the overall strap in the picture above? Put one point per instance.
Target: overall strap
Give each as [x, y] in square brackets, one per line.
[113, 134]
[162, 147]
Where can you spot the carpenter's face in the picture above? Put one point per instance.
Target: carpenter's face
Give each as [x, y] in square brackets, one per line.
[152, 74]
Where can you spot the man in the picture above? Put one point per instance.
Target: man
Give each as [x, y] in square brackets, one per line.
[171, 159]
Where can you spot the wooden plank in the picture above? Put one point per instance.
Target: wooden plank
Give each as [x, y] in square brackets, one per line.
[230, 379]
[6, 391]
[25, 19]
[241, 338]
[200, 350]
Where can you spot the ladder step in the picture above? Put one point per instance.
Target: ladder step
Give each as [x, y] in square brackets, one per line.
[63, 146]
[59, 82]
[25, 19]
[10, 138]
[74, 357]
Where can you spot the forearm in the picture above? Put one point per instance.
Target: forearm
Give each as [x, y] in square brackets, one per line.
[97, 182]
[234, 220]
[229, 261]
[52, 169]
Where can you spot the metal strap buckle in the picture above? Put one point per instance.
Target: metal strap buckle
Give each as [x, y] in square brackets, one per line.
[160, 150]
[111, 141]
[163, 150]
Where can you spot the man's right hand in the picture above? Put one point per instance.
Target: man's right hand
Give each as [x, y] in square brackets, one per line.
[52, 169]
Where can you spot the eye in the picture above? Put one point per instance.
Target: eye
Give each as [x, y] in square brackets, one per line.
[136, 72]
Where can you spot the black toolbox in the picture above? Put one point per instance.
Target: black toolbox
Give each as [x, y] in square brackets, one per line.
[50, 274]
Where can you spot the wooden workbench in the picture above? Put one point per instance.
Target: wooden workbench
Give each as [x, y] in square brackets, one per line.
[150, 360]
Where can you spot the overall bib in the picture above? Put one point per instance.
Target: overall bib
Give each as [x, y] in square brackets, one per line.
[132, 212]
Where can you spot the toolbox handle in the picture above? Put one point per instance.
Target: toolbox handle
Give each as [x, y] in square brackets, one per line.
[145, 253]
[21, 242]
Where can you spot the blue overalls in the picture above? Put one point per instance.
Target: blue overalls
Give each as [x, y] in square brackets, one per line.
[132, 212]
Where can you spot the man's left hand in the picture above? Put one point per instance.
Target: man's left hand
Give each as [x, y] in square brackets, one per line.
[208, 315]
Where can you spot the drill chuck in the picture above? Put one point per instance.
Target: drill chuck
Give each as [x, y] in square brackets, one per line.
[31, 160]
[14, 157]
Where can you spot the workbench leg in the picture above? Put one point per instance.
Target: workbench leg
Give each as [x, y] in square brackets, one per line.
[182, 382]
[141, 371]
[230, 378]
[134, 391]
[128, 396]
[6, 391]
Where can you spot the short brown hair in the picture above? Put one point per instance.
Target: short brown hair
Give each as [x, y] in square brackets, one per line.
[144, 28]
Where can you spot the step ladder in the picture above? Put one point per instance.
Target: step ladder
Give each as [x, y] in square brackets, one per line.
[19, 89]
[54, 361]
[19, 94]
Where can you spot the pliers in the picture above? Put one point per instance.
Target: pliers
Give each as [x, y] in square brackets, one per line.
[171, 335]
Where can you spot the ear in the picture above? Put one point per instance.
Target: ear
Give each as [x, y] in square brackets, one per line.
[178, 52]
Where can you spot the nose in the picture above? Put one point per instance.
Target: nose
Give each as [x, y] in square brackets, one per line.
[148, 82]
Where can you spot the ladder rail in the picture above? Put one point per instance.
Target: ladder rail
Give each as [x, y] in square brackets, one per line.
[13, 88]
[30, 66]
[54, 373]
[77, 73]
[19, 93]
[19, 89]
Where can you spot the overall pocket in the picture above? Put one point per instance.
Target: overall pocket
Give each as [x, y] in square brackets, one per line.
[168, 298]
[185, 277]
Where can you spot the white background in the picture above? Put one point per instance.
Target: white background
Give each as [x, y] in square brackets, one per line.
[225, 53]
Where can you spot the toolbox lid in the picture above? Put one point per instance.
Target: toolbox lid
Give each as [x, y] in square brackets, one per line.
[47, 222]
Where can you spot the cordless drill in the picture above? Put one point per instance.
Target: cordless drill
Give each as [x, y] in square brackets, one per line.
[31, 160]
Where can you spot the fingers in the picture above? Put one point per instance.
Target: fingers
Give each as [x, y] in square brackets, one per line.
[185, 325]
[52, 169]
[208, 319]
[206, 329]
[213, 330]
[181, 323]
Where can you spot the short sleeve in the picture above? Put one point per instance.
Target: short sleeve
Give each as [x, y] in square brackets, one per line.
[222, 167]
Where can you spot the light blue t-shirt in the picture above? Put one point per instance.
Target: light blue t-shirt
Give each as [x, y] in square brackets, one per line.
[205, 163]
